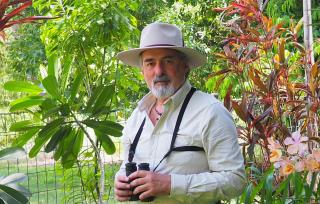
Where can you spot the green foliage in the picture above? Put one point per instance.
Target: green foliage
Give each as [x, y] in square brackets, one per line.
[286, 9]
[264, 187]
[25, 51]
[10, 191]
[22, 86]
[58, 132]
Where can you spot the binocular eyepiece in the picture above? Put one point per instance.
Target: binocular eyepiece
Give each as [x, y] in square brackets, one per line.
[132, 167]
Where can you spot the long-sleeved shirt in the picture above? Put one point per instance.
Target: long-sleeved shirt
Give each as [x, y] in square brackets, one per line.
[196, 176]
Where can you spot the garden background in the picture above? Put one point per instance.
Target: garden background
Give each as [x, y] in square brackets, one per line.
[64, 96]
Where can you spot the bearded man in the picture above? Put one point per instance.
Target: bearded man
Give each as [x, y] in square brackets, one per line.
[186, 136]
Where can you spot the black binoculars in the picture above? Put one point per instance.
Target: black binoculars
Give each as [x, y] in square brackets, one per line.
[132, 167]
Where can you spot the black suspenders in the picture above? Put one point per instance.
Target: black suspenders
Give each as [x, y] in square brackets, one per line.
[133, 146]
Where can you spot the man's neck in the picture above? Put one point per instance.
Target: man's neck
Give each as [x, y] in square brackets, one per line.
[161, 101]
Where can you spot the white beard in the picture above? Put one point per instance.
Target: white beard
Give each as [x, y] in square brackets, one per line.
[162, 92]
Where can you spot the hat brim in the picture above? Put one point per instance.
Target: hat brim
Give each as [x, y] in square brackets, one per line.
[132, 57]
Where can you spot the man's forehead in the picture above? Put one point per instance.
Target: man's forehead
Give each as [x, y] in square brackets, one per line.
[158, 53]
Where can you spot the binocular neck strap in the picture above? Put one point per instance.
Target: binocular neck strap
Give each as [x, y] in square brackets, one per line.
[133, 145]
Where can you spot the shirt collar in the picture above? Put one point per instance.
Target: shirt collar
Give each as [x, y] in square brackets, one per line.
[148, 100]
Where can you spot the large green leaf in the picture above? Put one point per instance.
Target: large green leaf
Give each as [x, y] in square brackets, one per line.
[66, 71]
[51, 112]
[54, 66]
[44, 135]
[51, 85]
[77, 143]
[64, 145]
[26, 104]
[106, 142]
[26, 98]
[57, 138]
[108, 127]
[23, 126]
[64, 110]
[75, 86]
[58, 152]
[50, 126]
[13, 178]
[23, 139]
[22, 86]
[48, 103]
[11, 153]
[39, 142]
[72, 146]
[104, 98]
[96, 93]
[12, 196]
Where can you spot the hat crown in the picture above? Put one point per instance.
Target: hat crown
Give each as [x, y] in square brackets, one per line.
[161, 34]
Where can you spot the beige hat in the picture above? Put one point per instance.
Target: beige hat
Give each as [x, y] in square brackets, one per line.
[161, 35]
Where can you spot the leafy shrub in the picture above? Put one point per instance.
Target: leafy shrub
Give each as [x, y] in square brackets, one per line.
[280, 105]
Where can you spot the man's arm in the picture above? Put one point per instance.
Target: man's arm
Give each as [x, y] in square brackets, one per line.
[226, 176]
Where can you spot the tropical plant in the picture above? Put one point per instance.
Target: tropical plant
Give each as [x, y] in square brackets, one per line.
[277, 105]
[10, 191]
[60, 122]
[79, 81]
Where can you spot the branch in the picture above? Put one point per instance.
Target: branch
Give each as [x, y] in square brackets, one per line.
[96, 150]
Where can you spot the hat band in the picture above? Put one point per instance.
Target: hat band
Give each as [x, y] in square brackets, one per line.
[154, 45]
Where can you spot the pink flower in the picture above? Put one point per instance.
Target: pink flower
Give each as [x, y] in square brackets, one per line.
[316, 154]
[300, 166]
[273, 144]
[286, 167]
[275, 155]
[312, 164]
[295, 143]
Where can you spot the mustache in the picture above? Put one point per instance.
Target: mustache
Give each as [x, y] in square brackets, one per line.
[161, 78]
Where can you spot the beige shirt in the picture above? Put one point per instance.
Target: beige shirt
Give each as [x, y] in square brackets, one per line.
[196, 177]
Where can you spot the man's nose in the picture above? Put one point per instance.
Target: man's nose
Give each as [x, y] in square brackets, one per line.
[159, 69]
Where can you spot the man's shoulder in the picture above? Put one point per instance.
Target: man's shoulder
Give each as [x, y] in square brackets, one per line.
[205, 99]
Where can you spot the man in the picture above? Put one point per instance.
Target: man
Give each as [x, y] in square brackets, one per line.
[187, 136]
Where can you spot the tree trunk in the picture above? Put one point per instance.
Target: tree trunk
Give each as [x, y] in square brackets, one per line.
[308, 37]
[312, 127]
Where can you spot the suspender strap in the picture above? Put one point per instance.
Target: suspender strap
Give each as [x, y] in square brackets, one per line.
[176, 130]
[133, 146]
[181, 113]
[180, 149]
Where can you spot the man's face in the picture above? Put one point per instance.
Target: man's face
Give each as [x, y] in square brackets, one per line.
[164, 71]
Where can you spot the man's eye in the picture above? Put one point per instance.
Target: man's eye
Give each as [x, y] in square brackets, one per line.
[149, 64]
[168, 60]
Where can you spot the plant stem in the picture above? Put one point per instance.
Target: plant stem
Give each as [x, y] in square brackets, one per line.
[82, 183]
[96, 150]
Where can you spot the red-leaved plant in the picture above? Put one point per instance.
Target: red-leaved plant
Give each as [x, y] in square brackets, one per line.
[9, 10]
[280, 105]
[269, 62]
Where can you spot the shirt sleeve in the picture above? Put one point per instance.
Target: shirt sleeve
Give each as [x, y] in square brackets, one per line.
[226, 177]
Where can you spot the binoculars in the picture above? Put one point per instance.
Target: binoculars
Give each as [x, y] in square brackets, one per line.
[132, 167]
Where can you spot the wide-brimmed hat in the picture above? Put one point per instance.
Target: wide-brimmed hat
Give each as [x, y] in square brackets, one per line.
[161, 35]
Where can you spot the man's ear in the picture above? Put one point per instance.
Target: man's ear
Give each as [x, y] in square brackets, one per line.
[187, 70]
